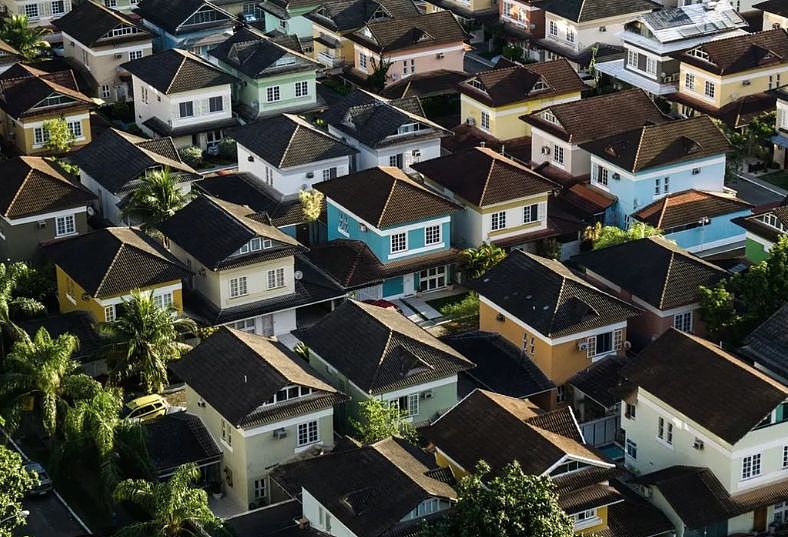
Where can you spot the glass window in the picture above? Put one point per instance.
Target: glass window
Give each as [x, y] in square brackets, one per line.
[272, 94]
[362, 60]
[683, 321]
[498, 220]
[259, 488]
[58, 7]
[186, 109]
[709, 89]
[553, 28]
[238, 287]
[485, 120]
[399, 242]
[751, 466]
[330, 173]
[657, 186]
[602, 175]
[531, 213]
[162, 301]
[276, 278]
[215, 104]
[75, 128]
[308, 433]
[31, 11]
[432, 235]
[558, 154]
[136, 54]
[109, 313]
[301, 89]
[689, 81]
[246, 325]
[632, 449]
[64, 225]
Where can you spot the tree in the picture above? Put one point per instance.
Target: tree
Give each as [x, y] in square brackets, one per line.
[15, 483]
[604, 236]
[481, 259]
[311, 204]
[380, 72]
[175, 507]
[146, 337]
[58, 136]
[28, 40]
[379, 420]
[12, 277]
[510, 504]
[156, 198]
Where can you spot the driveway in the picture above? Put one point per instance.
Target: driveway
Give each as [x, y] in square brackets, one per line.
[50, 518]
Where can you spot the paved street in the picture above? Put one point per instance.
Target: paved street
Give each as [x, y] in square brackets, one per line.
[49, 518]
[752, 192]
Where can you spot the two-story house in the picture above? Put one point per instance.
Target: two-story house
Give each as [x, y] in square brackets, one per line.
[180, 95]
[38, 12]
[193, 25]
[288, 16]
[763, 228]
[523, 21]
[560, 321]
[403, 224]
[112, 165]
[385, 133]
[775, 14]
[99, 40]
[290, 154]
[29, 97]
[780, 138]
[37, 204]
[270, 77]
[494, 100]
[262, 404]
[704, 426]
[650, 41]
[97, 271]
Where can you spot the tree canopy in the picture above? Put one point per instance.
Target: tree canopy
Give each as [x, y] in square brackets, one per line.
[604, 236]
[482, 258]
[15, 483]
[28, 40]
[379, 420]
[156, 198]
[59, 136]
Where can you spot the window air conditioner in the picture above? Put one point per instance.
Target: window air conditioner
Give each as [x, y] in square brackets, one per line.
[427, 394]
[440, 55]
[602, 29]
[470, 121]
[545, 149]
[617, 176]
[745, 82]
[582, 345]
[118, 56]
[280, 433]
[698, 444]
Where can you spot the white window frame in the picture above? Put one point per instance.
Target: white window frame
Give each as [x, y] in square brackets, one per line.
[238, 287]
[275, 278]
[432, 235]
[65, 225]
[362, 60]
[553, 28]
[31, 11]
[310, 431]
[498, 220]
[246, 325]
[531, 213]
[631, 448]
[484, 120]
[683, 321]
[302, 89]
[188, 106]
[689, 81]
[750, 467]
[273, 94]
[136, 55]
[709, 89]
[163, 300]
[558, 154]
[259, 488]
[398, 242]
[110, 313]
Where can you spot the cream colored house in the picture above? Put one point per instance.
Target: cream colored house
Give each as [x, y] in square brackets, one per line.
[39, 13]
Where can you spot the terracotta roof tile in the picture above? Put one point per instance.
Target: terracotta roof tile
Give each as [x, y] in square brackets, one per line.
[686, 207]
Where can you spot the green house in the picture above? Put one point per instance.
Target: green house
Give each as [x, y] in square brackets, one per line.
[764, 228]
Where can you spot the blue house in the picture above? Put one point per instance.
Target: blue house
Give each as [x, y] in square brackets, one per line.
[193, 25]
[389, 236]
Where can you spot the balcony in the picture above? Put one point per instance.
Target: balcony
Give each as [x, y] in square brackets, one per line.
[329, 61]
[616, 69]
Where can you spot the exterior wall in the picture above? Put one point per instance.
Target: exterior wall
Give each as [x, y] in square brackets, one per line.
[296, 24]
[528, 18]
[209, 37]
[46, 13]
[773, 20]
[719, 232]
[311, 510]
[589, 33]
[21, 133]
[20, 239]
[576, 162]
[731, 88]
[254, 92]
[332, 56]
[409, 61]
[754, 249]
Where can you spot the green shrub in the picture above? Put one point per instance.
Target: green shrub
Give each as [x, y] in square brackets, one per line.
[227, 149]
[192, 155]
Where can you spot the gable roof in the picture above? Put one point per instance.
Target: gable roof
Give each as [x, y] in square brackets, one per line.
[22, 87]
[693, 23]
[549, 297]
[482, 176]
[380, 350]
[656, 271]
[741, 52]
[31, 186]
[176, 439]
[114, 261]
[768, 343]
[754, 223]
[667, 143]
[256, 55]
[348, 15]
[601, 381]
[729, 399]
[419, 31]
[777, 7]
[176, 71]
[237, 373]
[171, 14]
[89, 22]
[286, 140]
[686, 207]
[591, 10]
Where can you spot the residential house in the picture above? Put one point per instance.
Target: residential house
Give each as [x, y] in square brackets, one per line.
[98, 271]
[270, 77]
[718, 437]
[288, 16]
[763, 228]
[38, 13]
[367, 351]
[179, 438]
[475, 16]
[290, 154]
[658, 277]
[385, 488]
[560, 321]
[112, 165]
[418, 44]
[8, 56]
[180, 95]
[494, 100]
[100, 40]
[263, 404]
[248, 275]
[729, 79]
[775, 14]
[651, 39]
[193, 25]
[523, 21]
[405, 225]
[780, 138]
[385, 132]
[29, 97]
[767, 346]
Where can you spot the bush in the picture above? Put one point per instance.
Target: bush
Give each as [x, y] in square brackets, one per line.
[227, 149]
[192, 155]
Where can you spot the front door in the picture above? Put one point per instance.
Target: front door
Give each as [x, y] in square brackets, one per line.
[759, 523]
[408, 284]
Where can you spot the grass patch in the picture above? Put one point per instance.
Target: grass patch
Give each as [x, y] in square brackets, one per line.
[439, 303]
[779, 178]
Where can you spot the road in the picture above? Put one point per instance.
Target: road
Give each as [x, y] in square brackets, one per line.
[752, 192]
[49, 518]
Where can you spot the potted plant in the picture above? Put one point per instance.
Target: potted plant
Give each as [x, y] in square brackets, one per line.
[216, 490]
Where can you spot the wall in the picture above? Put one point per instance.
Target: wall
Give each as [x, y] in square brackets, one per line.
[24, 130]
[719, 232]
[20, 239]
[732, 87]
[589, 33]
[528, 18]
[514, 218]
[45, 15]
[577, 161]
[403, 62]
[773, 20]
[254, 92]
[311, 510]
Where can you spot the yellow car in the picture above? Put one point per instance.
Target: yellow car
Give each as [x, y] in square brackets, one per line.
[145, 408]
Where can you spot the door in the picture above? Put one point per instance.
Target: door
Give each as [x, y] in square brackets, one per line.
[408, 284]
[759, 523]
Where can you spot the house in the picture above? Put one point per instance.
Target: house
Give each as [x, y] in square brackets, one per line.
[181, 438]
[193, 25]
[763, 228]
[523, 21]
[729, 78]
[100, 40]
[504, 202]
[475, 16]
[385, 488]
[367, 351]
[271, 78]
[290, 154]
[248, 276]
[288, 16]
[647, 163]
[111, 167]
[42, 13]
[560, 321]
[658, 277]
[180, 95]
[29, 97]
[98, 271]
[717, 438]
[401, 222]
[775, 14]
[767, 346]
[37, 204]
[651, 40]
[262, 404]
[385, 132]
[780, 138]
[544, 443]
[493, 100]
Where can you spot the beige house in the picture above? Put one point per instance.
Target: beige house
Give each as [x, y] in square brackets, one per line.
[39, 13]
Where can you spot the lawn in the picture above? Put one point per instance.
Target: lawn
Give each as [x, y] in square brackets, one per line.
[778, 178]
[438, 303]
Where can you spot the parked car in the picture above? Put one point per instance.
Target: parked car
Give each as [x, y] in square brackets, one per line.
[43, 482]
[145, 408]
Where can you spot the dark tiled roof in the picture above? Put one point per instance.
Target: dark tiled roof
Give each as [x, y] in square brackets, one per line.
[591, 10]
[176, 71]
[89, 22]
[348, 15]
[171, 14]
[549, 297]
[589, 497]
[736, 114]
[420, 31]
[429, 84]
[77, 323]
[277, 520]
[287, 140]
[8, 49]
[380, 350]
[656, 270]
[386, 197]
[22, 87]
[163, 128]
[482, 176]
[777, 7]
[114, 261]
[768, 344]
[176, 439]
[686, 207]
[741, 53]
[516, 83]
[729, 399]
[600, 381]
[635, 517]
[256, 56]
[31, 186]
[660, 145]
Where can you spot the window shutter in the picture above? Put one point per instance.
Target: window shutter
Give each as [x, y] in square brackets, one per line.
[591, 344]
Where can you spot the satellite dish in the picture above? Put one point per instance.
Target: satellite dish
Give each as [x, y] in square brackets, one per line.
[298, 275]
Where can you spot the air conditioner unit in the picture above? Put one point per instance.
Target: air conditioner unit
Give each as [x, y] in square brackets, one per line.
[698, 444]
[427, 394]
[118, 56]
[582, 345]
[310, 175]
[602, 29]
[745, 82]
[470, 121]
[280, 433]
[545, 149]
[440, 55]
[42, 224]
[617, 176]
[362, 228]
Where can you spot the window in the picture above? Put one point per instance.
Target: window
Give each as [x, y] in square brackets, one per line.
[287, 393]
[709, 89]
[689, 81]
[550, 117]
[215, 104]
[40, 136]
[531, 213]
[276, 278]
[582, 516]
[301, 89]
[751, 466]
[64, 225]
[630, 411]
[106, 91]
[136, 54]
[553, 28]
[632, 449]
[246, 325]
[432, 235]
[343, 225]
[75, 128]
[602, 175]
[186, 109]
[604, 343]
[432, 278]
[31, 11]
[408, 66]
[660, 427]
[785, 457]
[144, 92]
[109, 313]
[666, 185]
[259, 488]
[272, 94]
[308, 433]
[485, 120]
[163, 301]
[238, 287]
[283, 25]
[498, 221]
[665, 431]
[569, 466]
[683, 321]
[399, 242]
[330, 173]
[657, 186]
[781, 513]
[570, 34]
[203, 15]
[227, 436]
[58, 7]
[558, 154]
[408, 404]
[362, 60]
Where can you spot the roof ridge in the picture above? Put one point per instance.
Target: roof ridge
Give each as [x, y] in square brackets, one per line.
[21, 185]
[177, 71]
[667, 277]
[287, 147]
[388, 199]
[111, 264]
[640, 145]
[487, 181]
[382, 358]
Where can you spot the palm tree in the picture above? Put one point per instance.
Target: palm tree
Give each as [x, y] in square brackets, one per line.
[28, 40]
[156, 198]
[175, 507]
[10, 278]
[146, 338]
[481, 259]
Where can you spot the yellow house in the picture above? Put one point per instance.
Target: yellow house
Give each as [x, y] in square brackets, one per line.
[98, 271]
[29, 97]
[494, 100]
